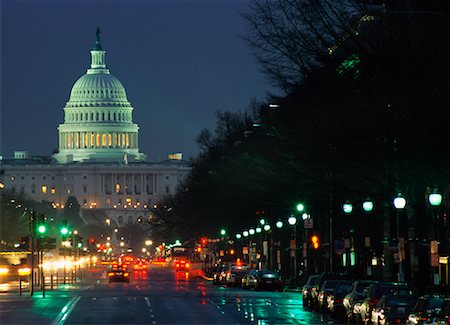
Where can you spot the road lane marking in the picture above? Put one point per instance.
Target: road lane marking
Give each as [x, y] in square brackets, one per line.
[65, 312]
[147, 301]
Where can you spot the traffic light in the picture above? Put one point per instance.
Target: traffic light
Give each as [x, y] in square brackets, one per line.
[64, 229]
[41, 228]
[32, 223]
[315, 241]
[223, 232]
[204, 241]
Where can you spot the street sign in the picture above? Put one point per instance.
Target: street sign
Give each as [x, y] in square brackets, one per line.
[308, 223]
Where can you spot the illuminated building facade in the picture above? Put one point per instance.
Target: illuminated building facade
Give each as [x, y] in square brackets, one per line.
[98, 160]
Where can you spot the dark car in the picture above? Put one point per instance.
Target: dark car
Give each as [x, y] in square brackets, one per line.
[355, 295]
[425, 309]
[181, 265]
[443, 316]
[219, 274]
[235, 275]
[119, 275]
[393, 309]
[326, 290]
[319, 282]
[336, 298]
[263, 279]
[376, 291]
[306, 290]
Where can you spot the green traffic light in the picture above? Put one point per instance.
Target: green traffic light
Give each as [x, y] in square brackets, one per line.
[64, 231]
[41, 229]
[79, 245]
[223, 232]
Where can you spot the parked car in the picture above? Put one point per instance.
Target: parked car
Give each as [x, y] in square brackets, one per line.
[443, 316]
[306, 290]
[319, 282]
[326, 290]
[425, 309]
[335, 299]
[219, 274]
[355, 295]
[376, 291]
[235, 274]
[392, 308]
[270, 280]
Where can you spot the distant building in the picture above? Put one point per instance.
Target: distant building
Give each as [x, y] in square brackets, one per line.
[98, 160]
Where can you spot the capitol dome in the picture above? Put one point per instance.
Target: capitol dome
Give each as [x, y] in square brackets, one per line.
[98, 122]
[98, 87]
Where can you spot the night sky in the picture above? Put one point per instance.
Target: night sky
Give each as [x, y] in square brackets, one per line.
[179, 61]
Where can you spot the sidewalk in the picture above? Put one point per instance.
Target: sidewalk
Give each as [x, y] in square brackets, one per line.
[37, 309]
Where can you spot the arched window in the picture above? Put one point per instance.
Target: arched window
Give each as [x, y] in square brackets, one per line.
[104, 140]
[97, 140]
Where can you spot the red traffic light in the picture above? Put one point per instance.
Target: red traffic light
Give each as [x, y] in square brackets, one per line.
[315, 241]
[204, 241]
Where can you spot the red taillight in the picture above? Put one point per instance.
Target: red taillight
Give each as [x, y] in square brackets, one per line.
[337, 300]
[397, 321]
[424, 318]
[177, 265]
[187, 264]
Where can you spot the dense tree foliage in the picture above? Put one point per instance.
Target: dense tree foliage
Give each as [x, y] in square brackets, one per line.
[366, 113]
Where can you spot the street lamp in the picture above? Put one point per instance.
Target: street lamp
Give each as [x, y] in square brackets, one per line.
[399, 204]
[292, 220]
[262, 221]
[347, 207]
[258, 229]
[435, 199]
[148, 242]
[245, 233]
[238, 236]
[279, 224]
[300, 207]
[293, 249]
[368, 205]
[251, 231]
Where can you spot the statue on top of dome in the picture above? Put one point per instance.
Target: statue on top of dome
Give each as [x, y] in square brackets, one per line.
[97, 45]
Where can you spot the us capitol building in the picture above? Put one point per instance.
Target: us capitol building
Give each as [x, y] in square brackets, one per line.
[98, 160]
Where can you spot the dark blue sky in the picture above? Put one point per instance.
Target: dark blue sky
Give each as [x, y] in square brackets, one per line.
[180, 62]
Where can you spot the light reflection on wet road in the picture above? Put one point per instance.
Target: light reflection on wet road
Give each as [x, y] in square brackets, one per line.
[162, 296]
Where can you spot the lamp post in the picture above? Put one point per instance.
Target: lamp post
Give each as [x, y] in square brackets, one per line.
[293, 249]
[435, 200]
[400, 204]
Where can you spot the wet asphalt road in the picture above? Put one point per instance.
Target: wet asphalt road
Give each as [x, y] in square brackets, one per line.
[162, 296]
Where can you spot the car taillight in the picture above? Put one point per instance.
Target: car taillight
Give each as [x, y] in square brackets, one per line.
[337, 300]
[187, 264]
[177, 265]
[126, 274]
[111, 274]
